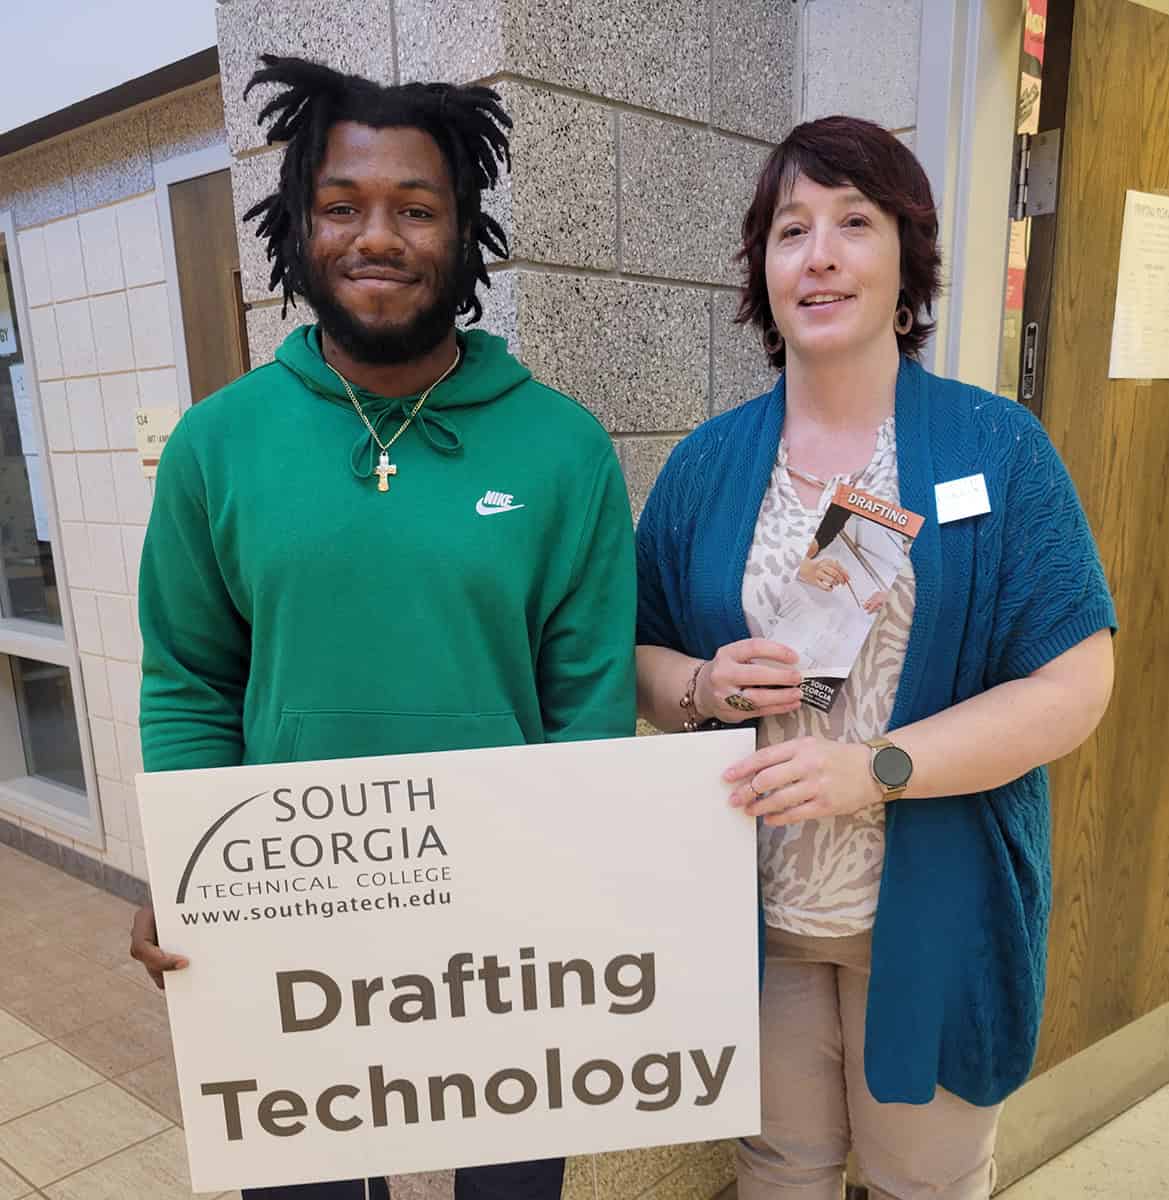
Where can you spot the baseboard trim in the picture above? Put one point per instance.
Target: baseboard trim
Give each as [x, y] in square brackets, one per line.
[73, 862]
[1062, 1106]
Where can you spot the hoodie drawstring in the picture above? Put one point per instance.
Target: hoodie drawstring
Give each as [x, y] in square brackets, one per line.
[441, 433]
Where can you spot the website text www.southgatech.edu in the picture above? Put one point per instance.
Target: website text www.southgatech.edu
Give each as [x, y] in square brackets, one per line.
[318, 909]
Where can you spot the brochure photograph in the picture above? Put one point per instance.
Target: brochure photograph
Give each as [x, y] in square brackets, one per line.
[825, 613]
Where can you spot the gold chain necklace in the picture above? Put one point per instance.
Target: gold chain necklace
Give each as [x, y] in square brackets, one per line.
[816, 481]
[385, 468]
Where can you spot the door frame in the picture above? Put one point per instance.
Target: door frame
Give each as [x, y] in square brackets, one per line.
[207, 161]
[968, 80]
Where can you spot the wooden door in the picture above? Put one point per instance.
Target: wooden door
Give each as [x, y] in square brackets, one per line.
[207, 255]
[1109, 960]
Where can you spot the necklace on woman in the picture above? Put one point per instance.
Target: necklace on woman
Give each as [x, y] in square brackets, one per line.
[385, 468]
[816, 481]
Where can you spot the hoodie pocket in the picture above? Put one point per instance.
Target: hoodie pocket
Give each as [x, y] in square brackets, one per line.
[309, 734]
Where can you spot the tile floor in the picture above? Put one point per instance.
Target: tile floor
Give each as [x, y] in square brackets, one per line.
[1127, 1159]
[88, 1104]
[89, 1109]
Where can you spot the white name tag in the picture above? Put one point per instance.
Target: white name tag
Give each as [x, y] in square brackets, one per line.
[959, 498]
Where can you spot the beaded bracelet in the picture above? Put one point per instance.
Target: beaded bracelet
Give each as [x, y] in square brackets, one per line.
[692, 720]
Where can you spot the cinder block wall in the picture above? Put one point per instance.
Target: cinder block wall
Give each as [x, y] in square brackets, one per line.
[639, 131]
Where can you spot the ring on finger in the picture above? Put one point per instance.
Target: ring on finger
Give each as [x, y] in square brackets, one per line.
[756, 792]
[739, 702]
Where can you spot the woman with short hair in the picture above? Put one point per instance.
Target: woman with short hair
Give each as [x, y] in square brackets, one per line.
[903, 834]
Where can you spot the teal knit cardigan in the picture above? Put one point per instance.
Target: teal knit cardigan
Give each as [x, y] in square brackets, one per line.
[959, 941]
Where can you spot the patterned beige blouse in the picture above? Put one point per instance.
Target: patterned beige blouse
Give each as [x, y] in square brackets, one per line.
[821, 878]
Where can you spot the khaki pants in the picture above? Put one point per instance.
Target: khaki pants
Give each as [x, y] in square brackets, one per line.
[816, 1105]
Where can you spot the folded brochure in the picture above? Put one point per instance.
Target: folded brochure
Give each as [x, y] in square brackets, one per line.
[825, 613]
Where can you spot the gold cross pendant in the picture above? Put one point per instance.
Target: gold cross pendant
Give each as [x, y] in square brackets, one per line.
[383, 471]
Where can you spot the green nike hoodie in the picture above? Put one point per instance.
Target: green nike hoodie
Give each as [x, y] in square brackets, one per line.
[290, 611]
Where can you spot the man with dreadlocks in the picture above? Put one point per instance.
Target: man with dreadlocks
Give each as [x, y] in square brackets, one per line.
[391, 539]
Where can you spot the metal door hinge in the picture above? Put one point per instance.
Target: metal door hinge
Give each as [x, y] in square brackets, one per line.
[1035, 177]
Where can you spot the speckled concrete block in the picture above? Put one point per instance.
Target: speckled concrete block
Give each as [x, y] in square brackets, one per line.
[252, 179]
[753, 66]
[351, 37]
[655, 54]
[426, 1185]
[497, 203]
[698, 1178]
[628, 1173]
[38, 184]
[452, 40]
[266, 330]
[741, 369]
[636, 354]
[186, 121]
[580, 1179]
[642, 459]
[563, 206]
[111, 160]
[499, 308]
[683, 195]
[861, 60]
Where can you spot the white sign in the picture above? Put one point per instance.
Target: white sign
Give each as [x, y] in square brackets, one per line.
[23, 401]
[7, 330]
[7, 324]
[38, 486]
[430, 961]
[154, 425]
[1140, 327]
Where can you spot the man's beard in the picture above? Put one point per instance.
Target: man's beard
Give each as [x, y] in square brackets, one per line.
[388, 344]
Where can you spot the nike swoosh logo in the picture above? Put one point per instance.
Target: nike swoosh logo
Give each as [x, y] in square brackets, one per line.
[489, 510]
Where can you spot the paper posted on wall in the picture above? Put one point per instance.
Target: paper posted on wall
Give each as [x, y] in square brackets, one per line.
[825, 613]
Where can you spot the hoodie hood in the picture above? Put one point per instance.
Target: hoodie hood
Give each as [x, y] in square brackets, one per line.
[486, 372]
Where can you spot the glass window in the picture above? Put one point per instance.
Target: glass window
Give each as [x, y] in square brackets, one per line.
[28, 581]
[44, 700]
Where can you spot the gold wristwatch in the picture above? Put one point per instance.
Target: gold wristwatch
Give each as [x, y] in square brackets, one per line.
[890, 766]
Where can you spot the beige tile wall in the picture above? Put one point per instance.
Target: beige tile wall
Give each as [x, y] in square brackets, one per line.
[97, 281]
[101, 334]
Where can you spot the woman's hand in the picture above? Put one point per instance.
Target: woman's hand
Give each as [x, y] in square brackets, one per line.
[874, 602]
[806, 778]
[824, 573]
[757, 672]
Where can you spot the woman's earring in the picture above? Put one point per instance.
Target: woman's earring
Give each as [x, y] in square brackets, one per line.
[772, 339]
[903, 322]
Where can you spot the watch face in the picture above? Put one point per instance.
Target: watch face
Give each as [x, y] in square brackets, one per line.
[892, 766]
